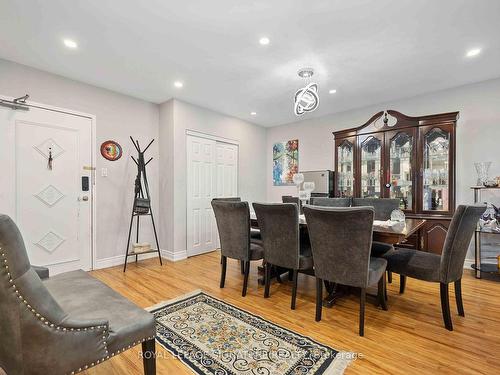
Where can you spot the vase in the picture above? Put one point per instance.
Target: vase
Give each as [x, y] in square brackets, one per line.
[482, 170]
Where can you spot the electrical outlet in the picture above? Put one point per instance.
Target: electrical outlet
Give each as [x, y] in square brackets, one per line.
[104, 172]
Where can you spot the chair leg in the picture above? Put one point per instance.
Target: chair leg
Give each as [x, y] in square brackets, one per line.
[245, 278]
[290, 275]
[362, 299]
[458, 297]
[319, 298]
[149, 357]
[242, 267]
[267, 279]
[381, 292]
[294, 288]
[402, 284]
[445, 306]
[389, 277]
[223, 272]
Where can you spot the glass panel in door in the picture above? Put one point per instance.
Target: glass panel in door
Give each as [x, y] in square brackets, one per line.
[345, 168]
[371, 164]
[436, 170]
[400, 159]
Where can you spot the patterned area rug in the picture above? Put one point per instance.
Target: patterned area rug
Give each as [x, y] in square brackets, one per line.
[213, 337]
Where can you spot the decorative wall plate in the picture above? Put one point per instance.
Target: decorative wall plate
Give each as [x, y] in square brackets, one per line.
[111, 150]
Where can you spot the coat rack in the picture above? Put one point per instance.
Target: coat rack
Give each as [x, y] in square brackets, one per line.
[142, 203]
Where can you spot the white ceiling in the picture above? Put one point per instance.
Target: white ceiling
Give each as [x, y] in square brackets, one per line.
[370, 51]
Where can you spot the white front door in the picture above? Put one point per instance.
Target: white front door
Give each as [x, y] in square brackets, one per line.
[50, 205]
[212, 171]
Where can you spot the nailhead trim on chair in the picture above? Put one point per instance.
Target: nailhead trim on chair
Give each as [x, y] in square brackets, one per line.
[65, 329]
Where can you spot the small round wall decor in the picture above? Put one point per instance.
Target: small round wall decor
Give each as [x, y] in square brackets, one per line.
[111, 150]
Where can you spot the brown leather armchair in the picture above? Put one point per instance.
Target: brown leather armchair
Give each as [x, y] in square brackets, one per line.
[65, 324]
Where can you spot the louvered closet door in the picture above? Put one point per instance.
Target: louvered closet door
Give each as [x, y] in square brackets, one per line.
[48, 205]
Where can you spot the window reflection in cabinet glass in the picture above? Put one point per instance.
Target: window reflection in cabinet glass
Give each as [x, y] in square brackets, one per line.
[371, 152]
[436, 170]
[345, 168]
[401, 151]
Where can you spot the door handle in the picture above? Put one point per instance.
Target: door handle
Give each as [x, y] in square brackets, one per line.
[85, 198]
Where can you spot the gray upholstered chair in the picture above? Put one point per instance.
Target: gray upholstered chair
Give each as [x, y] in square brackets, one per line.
[382, 206]
[445, 268]
[330, 202]
[290, 199]
[233, 223]
[341, 240]
[283, 244]
[65, 324]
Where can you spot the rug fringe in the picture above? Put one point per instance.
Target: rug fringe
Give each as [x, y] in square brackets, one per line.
[173, 300]
[339, 364]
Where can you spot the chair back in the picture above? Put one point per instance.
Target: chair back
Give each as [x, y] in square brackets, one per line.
[382, 206]
[19, 286]
[279, 229]
[457, 242]
[331, 202]
[228, 199]
[341, 240]
[290, 199]
[233, 223]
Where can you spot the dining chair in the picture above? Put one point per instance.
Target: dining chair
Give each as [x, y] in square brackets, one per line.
[233, 223]
[383, 208]
[445, 268]
[330, 202]
[341, 241]
[290, 199]
[283, 245]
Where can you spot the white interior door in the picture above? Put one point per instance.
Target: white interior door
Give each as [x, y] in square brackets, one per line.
[49, 205]
[212, 170]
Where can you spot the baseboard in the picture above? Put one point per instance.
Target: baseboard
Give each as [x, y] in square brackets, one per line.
[174, 256]
[118, 260]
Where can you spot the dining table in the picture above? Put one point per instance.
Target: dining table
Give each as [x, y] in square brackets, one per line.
[391, 232]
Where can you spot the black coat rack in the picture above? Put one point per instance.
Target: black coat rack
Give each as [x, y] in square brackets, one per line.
[142, 203]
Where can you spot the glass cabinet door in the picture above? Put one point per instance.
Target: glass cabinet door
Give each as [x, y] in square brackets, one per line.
[401, 157]
[436, 169]
[345, 168]
[371, 165]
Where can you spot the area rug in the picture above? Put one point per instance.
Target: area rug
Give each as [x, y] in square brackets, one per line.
[213, 337]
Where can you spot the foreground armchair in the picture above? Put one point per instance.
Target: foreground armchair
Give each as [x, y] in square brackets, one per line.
[65, 324]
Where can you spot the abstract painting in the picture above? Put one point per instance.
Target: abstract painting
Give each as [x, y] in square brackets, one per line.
[285, 162]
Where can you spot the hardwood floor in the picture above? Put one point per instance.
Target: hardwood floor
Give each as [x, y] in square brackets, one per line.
[409, 338]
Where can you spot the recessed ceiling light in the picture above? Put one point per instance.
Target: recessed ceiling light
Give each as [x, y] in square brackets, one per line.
[473, 52]
[70, 43]
[178, 84]
[264, 41]
[253, 113]
[332, 91]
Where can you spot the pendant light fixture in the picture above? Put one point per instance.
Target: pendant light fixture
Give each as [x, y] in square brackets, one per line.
[306, 99]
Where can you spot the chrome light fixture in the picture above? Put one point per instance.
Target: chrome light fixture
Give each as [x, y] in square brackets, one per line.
[306, 99]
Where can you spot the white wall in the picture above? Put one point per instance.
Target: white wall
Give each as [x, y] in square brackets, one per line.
[118, 116]
[252, 159]
[478, 133]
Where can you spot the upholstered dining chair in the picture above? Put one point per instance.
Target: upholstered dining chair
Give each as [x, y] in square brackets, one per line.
[65, 324]
[341, 241]
[254, 232]
[290, 199]
[445, 268]
[283, 245]
[330, 202]
[233, 223]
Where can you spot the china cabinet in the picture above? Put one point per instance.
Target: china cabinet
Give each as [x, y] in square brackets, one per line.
[410, 158]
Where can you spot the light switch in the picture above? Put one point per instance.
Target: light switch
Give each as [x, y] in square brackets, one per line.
[104, 172]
